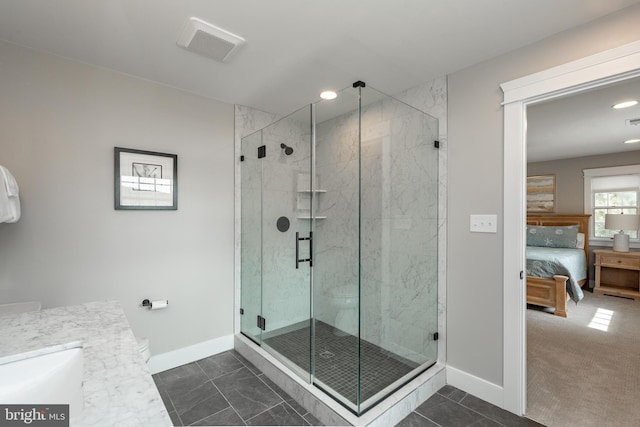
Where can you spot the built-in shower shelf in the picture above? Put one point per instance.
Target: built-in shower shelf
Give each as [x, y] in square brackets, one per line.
[312, 217]
[312, 191]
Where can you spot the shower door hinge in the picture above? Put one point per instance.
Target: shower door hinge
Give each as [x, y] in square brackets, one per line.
[521, 274]
[262, 322]
[436, 336]
[436, 144]
[262, 151]
[242, 158]
[242, 311]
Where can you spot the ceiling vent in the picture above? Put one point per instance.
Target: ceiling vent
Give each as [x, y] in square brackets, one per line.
[208, 40]
[633, 122]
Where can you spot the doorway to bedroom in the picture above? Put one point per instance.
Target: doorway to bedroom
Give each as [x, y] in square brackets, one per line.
[581, 353]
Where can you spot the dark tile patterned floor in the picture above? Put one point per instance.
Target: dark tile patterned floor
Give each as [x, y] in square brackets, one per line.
[227, 390]
[452, 407]
[336, 360]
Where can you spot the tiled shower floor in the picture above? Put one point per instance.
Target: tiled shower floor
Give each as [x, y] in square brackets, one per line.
[336, 360]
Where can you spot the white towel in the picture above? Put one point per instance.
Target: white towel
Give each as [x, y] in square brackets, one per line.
[9, 197]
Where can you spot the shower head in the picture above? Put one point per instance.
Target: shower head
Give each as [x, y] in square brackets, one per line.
[287, 150]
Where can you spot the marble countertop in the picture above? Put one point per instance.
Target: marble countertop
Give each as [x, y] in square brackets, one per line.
[118, 388]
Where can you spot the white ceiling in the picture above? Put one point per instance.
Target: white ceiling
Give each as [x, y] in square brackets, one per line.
[294, 48]
[583, 124]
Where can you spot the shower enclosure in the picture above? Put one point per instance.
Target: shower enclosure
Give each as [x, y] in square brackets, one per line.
[339, 237]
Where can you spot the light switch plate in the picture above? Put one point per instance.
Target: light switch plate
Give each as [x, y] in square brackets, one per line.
[483, 223]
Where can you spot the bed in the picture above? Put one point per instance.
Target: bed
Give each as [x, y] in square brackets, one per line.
[555, 275]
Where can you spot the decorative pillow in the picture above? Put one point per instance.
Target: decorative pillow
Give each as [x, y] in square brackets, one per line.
[552, 236]
[580, 243]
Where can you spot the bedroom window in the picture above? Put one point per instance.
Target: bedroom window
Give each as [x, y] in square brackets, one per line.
[613, 202]
[611, 190]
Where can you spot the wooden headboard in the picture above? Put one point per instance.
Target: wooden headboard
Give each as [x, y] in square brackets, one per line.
[582, 220]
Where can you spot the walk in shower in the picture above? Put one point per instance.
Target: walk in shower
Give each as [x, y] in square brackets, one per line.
[339, 220]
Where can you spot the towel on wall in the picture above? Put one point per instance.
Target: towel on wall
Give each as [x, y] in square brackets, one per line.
[9, 198]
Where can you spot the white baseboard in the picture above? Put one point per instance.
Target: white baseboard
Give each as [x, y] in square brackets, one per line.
[181, 356]
[478, 387]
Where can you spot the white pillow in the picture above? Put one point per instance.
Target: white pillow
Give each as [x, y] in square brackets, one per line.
[580, 241]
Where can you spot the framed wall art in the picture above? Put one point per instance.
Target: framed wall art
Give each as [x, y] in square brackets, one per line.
[145, 180]
[541, 193]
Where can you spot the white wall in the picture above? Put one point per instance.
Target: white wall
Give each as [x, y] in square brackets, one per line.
[59, 122]
[474, 300]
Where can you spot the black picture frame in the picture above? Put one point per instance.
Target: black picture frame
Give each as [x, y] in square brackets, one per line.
[145, 180]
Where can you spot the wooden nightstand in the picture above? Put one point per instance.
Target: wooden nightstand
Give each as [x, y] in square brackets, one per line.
[617, 273]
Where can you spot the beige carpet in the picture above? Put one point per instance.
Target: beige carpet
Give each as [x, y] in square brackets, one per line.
[584, 376]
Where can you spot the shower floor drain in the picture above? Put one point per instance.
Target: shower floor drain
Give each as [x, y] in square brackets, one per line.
[326, 354]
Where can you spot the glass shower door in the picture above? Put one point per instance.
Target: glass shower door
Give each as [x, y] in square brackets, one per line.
[281, 217]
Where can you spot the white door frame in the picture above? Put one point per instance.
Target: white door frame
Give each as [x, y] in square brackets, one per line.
[603, 68]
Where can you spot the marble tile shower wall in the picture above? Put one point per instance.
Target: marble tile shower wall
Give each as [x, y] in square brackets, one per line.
[398, 225]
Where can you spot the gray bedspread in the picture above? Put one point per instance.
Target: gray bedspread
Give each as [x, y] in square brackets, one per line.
[545, 262]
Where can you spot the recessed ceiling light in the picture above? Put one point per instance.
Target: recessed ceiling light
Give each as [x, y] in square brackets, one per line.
[632, 141]
[328, 94]
[625, 104]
